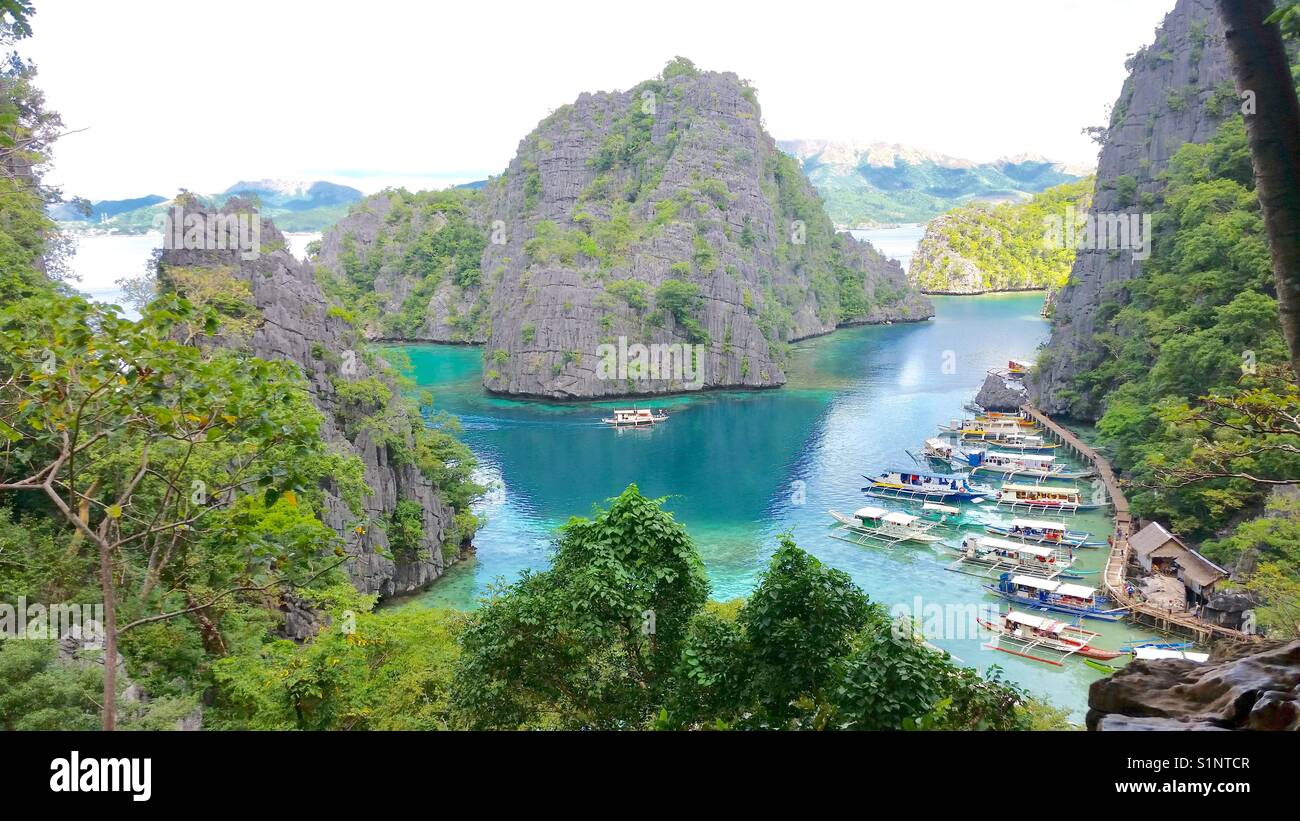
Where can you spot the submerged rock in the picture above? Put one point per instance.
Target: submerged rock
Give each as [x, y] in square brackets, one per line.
[1243, 686]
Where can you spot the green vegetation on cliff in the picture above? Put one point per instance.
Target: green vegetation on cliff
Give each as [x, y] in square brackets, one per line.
[978, 248]
[388, 268]
[1199, 401]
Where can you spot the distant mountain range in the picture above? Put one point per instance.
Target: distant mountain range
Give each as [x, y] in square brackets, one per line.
[295, 206]
[878, 183]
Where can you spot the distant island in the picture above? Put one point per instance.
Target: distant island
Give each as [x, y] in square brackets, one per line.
[873, 184]
[295, 206]
[982, 247]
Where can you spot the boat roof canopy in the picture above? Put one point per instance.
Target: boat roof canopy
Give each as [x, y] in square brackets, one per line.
[1064, 491]
[1036, 524]
[1033, 550]
[1036, 622]
[1036, 583]
[1024, 457]
[870, 512]
[896, 518]
[937, 443]
[1077, 591]
[938, 508]
[1159, 653]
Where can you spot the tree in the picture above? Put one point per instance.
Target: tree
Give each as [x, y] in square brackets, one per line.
[591, 642]
[188, 475]
[1262, 68]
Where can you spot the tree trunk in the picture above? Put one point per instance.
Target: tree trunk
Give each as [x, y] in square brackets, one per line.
[1259, 61]
[110, 636]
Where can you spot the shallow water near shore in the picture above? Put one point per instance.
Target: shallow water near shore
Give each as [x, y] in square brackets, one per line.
[740, 468]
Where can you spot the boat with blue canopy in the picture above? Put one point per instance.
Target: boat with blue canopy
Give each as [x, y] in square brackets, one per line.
[931, 487]
[1060, 597]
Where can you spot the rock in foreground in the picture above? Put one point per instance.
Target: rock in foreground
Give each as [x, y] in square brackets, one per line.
[1242, 687]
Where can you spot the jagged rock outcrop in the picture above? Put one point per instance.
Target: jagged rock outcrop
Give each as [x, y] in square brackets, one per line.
[388, 246]
[1177, 91]
[293, 321]
[1242, 687]
[666, 215]
[1001, 394]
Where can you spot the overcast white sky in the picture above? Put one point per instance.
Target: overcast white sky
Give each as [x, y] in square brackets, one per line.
[174, 93]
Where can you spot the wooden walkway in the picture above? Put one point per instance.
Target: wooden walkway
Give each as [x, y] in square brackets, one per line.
[1117, 562]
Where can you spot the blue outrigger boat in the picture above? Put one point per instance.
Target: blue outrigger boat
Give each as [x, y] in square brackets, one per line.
[1050, 594]
[929, 487]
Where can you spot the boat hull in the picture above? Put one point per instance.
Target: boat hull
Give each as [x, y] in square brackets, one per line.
[1056, 607]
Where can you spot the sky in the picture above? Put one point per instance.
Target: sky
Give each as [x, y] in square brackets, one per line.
[176, 94]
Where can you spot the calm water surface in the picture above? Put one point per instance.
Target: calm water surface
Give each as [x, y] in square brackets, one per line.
[739, 468]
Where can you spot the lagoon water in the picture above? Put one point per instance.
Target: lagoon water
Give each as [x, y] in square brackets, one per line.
[738, 468]
[741, 468]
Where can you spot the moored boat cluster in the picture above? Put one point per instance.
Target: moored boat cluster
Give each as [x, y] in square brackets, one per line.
[994, 493]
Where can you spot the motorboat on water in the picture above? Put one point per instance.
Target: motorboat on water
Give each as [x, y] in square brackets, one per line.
[1062, 597]
[635, 418]
[1039, 532]
[879, 524]
[1043, 639]
[932, 487]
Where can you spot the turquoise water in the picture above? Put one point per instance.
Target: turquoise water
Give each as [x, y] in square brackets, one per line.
[739, 468]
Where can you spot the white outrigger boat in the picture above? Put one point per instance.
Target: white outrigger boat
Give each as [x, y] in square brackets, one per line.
[992, 555]
[981, 427]
[635, 418]
[1061, 597]
[940, 451]
[944, 515]
[1034, 531]
[1043, 497]
[1037, 466]
[1021, 634]
[881, 525]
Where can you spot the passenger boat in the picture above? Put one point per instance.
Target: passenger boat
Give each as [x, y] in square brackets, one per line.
[993, 554]
[1019, 367]
[1043, 497]
[1061, 597]
[1041, 467]
[938, 450]
[1016, 442]
[944, 515]
[635, 418]
[1038, 532]
[1043, 639]
[980, 427]
[879, 524]
[1019, 417]
[906, 484]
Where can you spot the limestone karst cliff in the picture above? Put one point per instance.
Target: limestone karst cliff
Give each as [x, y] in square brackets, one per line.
[277, 311]
[660, 215]
[1177, 91]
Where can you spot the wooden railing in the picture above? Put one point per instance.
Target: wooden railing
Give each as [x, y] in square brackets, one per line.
[1114, 575]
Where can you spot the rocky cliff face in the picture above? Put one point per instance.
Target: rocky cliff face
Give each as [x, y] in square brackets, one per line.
[1177, 91]
[1241, 687]
[938, 268]
[665, 215]
[290, 319]
[409, 263]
